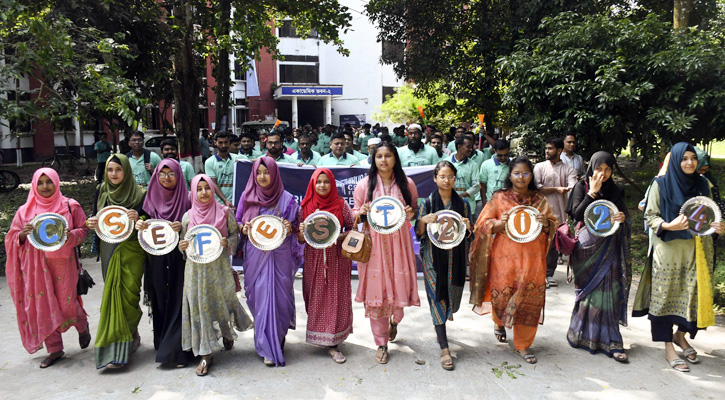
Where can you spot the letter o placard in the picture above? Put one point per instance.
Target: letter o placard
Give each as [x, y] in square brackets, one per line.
[522, 226]
[49, 231]
[114, 226]
[158, 239]
[701, 211]
[204, 244]
[267, 232]
[321, 229]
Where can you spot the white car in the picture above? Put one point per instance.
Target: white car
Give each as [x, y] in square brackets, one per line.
[153, 143]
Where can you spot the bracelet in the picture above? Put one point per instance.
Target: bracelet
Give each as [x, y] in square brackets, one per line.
[87, 224]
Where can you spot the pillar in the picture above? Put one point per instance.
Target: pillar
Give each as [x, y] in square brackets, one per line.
[328, 109]
[294, 112]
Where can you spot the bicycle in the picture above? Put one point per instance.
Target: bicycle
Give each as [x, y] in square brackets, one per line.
[9, 180]
[72, 163]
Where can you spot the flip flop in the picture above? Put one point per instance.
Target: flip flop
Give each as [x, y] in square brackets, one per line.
[690, 352]
[203, 368]
[528, 357]
[678, 361]
[620, 357]
[382, 355]
[84, 338]
[50, 360]
[500, 333]
[446, 360]
[336, 355]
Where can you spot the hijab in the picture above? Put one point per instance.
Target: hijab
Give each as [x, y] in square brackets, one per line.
[255, 196]
[676, 187]
[163, 203]
[37, 204]
[703, 160]
[331, 203]
[209, 213]
[127, 194]
[609, 191]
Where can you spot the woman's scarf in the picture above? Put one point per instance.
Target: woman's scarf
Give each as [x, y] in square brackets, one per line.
[37, 204]
[255, 196]
[163, 203]
[676, 187]
[703, 160]
[440, 256]
[331, 203]
[209, 213]
[128, 194]
[609, 191]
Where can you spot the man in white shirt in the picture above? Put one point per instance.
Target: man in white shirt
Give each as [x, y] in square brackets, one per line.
[572, 159]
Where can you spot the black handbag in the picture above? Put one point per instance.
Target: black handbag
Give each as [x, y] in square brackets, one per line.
[85, 281]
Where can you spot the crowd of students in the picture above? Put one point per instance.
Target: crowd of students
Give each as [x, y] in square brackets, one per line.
[195, 308]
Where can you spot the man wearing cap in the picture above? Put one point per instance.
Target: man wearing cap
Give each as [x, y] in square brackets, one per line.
[371, 145]
[416, 153]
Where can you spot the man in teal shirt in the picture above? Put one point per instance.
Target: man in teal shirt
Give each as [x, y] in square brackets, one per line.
[337, 156]
[247, 150]
[416, 153]
[493, 172]
[142, 161]
[459, 132]
[362, 140]
[399, 138]
[324, 139]
[289, 139]
[305, 155]
[436, 142]
[220, 168]
[274, 149]
[170, 149]
[349, 137]
[467, 180]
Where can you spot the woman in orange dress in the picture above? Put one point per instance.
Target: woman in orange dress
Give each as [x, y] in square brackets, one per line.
[510, 277]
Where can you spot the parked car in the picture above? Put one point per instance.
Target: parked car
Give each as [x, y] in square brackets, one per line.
[153, 143]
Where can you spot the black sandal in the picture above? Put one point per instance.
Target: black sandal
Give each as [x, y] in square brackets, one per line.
[393, 332]
[84, 338]
[50, 360]
[500, 333]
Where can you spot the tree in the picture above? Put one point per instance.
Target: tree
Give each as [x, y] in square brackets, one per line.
[402, 108]
[610, 79]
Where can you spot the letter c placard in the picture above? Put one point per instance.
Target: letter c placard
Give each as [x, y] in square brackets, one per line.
[49, 231]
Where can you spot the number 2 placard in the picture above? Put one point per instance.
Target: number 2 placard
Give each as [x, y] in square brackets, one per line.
[598, 218]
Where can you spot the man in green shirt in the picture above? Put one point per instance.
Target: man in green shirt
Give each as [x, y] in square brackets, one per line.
[362, 140]
[324, 139]
[103, 151]
[305, 155]
[289, 139]
[170, 149]
[337, 156]
[246, 149]
[436, 142]
[493, 172]
[220, 168]
[416, 153]
[467, 181]
[458, 133]
[399, 138]
[235, 143]
[274, 149]
[142, 161]
[349, 137]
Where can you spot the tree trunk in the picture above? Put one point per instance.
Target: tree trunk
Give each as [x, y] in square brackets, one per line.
[221, 69]
[187, 88]
[681, 14]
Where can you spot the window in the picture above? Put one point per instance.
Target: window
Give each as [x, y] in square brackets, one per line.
[299, 73]
[150, 118]
[310, 59]
[239, 74]
[388, 91]
[287, 30]
[392, 52]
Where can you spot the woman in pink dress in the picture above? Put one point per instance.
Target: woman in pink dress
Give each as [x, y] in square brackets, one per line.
[388, 281]
[326, 282]
[43, 284]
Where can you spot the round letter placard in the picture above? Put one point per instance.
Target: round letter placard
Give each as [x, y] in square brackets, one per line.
[204, 244]
[448, 231]
[701, 211]
[598, 218]
[114, 226]
[321, 229]
[48, 231]
[387, 215]
[522, 225]
[158, 239]
[267, 232]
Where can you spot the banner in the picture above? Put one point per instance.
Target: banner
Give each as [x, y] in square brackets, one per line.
[295, 180]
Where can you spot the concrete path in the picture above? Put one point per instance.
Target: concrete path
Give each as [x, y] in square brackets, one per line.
[482, 364]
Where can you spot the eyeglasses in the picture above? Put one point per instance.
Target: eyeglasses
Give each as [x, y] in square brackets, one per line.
[521, 174]
[136, 140]
[163, 175]
[503, 155]
[447, 178]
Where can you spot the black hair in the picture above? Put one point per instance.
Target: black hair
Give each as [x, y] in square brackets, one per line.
[508, 185]
[461, 139]
[386, 138]
[557, 142]
[436, 136]
[234, 138]
[275, 132]
[169, 142]
[221, 135]
[571, 134]
[303, 136]
[443, 164]
[398, 174]
[348, 133]
[135, 133]
[366, 126]
[501, 144]
[449, 136]
[246, 135]
[338, 135]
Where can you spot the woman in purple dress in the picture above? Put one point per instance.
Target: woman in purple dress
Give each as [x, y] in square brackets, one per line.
[269, 275]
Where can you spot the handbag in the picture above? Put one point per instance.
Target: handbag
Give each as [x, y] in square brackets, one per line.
[564, 239]
[85, 281]
[357, 244]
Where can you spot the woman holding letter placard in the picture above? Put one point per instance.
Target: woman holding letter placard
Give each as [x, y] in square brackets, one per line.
[269, 275]
[445, 269]
[676, 288]
[602, 272]
[326, 285]
[43, 283]
[166, 199]
[210, 308]
[508, 273]
[388, 281]
[122, 264]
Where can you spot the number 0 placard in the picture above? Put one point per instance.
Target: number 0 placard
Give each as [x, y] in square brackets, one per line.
[522, 225]
[598, 218]
[701, 211]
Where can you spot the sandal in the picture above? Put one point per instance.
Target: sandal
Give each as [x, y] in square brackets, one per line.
[620, 357]
[336, 355]
[446, 360]
[689, 353]
[84, 338]
[203, 368]
[136, 342]
[393, 332]
[382, 355]
[268, 362]
[51, 359]
[677, 362]
[528, 357]
[228, 343]
[500, 333]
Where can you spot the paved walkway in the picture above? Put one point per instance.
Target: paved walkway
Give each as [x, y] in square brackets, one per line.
[482, 364]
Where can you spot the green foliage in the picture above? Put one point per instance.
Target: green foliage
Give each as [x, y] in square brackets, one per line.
[402, 108]
[611, 79]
